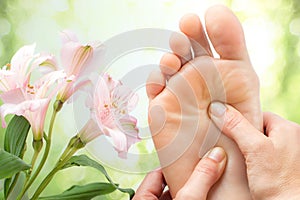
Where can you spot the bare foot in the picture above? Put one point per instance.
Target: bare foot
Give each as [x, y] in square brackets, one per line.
[180, 93]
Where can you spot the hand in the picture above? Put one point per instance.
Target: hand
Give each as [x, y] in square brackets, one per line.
[206, 173]
[272, 159]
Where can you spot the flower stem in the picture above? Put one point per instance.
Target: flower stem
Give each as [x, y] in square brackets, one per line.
[56, 108]
[33, 160]
[58, 167]
[13, 184]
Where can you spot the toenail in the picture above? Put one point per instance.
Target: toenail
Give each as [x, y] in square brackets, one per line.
[217, 109]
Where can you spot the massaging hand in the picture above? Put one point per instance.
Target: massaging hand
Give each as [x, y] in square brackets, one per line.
[273, 159]
[206, 173]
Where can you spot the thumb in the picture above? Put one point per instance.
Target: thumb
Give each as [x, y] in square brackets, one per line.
[152, 186]
[205, 175]
[234, 125]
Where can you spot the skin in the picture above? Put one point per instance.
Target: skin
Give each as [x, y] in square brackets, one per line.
[205, 174]
[274, 152]
[272, 158]
[180, 94]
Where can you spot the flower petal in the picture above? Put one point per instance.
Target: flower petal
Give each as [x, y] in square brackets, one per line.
[43, 85]
[94, 63]
[37, 118]
[21, 59]
[14, 96]
[68, 36]
[67, 56]
[81, 86]
[89, 132]
[118, 138]
[48, 63]
[124, 98]
[128, 126]
[110, 82]
[7, 80]
[33, 110]
[101, 95]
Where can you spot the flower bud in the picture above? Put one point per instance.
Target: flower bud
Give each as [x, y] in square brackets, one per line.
[37, 145]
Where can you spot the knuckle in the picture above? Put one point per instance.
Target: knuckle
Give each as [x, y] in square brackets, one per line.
[256, 152]
[232, 120]
[208, 168]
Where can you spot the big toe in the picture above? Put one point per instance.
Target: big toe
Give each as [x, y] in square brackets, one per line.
[226, 33]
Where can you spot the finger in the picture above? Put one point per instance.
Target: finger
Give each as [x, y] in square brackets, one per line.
[152, 186]
[205, 175]
[272, 120]
[166, 196]
[274, 124]
[235, 126]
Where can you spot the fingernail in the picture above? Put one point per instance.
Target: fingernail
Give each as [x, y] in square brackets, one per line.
[217, 154]
[217, 109]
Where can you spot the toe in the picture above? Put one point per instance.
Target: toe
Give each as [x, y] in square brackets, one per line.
[225, 33]
[155, 84]
[181, 47]
[191, 26]
[169, 64]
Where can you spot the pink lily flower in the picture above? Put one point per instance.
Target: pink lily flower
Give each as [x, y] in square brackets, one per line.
[22, 98]
[78, 61]
[31, 102]
[110, 105]
[17, 74]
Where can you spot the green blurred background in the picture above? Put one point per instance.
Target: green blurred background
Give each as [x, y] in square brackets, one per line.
[272, 30]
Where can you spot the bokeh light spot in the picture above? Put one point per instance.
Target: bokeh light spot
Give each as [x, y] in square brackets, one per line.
[5, 27]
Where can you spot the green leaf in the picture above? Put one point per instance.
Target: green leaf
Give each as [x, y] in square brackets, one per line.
[15, 141]
[10, 164]
[1, 194]
[128, 191]
[16, 135]
[84, 192]
[6, 186]
[83, 160]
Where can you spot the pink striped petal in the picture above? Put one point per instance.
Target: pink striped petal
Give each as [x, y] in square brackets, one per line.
[14, 96]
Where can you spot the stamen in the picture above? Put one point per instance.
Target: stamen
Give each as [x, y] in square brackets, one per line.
[8, 65]
[30, 86]
[115, 105]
